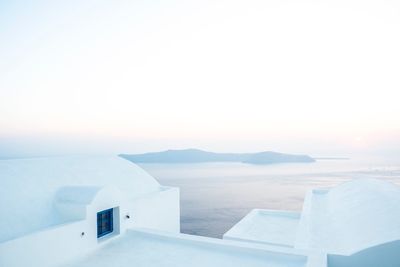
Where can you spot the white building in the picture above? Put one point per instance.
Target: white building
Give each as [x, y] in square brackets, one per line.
[355, 224]
[106, 211]
[57, 209]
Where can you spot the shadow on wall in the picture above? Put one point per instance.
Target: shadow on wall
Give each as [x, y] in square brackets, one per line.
[383, 255]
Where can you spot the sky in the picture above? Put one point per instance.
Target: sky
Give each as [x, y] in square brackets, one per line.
[299, 76]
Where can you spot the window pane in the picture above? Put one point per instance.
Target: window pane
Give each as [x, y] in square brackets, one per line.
[104, 222]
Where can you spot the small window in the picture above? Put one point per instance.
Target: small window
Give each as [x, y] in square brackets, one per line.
[104, 222]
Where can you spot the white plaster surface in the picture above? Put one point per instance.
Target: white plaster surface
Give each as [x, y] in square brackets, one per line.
[343, 220]
[144, 249]
[351, 217]
[266, 226]
[29, 188]
[356, 224]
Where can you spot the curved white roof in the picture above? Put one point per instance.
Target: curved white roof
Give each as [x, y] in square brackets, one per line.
[29, 187]
[353, 216]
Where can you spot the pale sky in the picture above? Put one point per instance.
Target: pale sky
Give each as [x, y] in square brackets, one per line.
[314, 77]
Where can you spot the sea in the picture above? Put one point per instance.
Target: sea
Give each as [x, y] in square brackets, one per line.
[215, 196]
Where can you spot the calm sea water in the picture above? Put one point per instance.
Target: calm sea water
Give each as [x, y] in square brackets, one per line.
[215, 196]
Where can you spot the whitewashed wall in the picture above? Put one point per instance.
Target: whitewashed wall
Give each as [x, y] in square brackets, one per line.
[159, 210]
[383, 255]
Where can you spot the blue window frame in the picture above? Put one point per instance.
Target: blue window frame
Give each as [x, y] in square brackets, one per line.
[104, 222]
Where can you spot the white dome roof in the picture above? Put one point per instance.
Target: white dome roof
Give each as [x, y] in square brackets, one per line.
[353, 216]
[29, 187]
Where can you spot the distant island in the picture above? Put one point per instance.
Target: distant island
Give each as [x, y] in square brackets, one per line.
[332, 158]
[198, 156]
